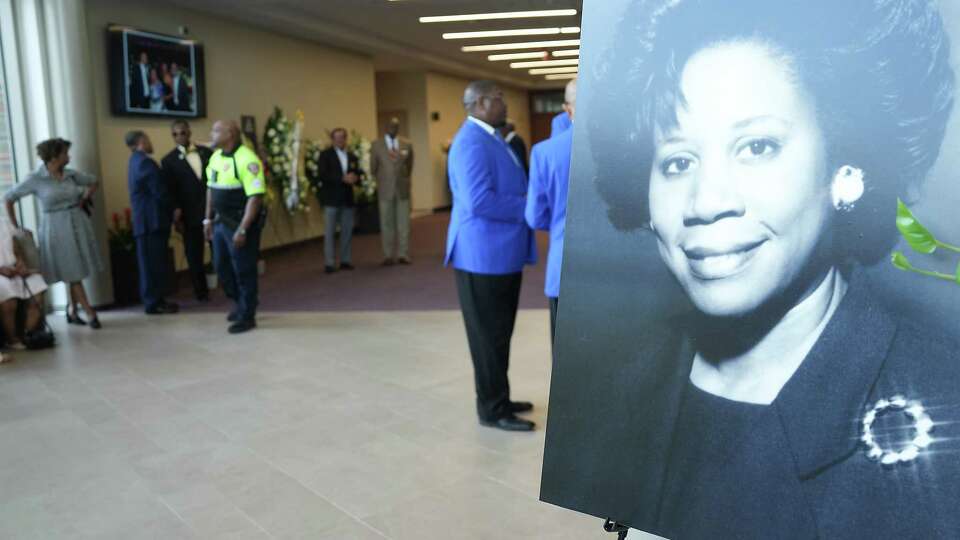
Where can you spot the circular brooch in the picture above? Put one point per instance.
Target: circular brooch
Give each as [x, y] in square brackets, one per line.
[922, 425]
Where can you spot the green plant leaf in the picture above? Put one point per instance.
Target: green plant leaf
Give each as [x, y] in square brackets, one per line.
[900, 261]
[913, 232]
[956, 276]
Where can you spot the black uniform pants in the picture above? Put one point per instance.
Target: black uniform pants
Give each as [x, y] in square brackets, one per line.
[237, 268]
[489, 305]
[193, 247]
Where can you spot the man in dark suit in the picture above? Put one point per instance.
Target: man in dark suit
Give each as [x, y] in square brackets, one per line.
[339, 172]
[488, 243]
[139, 84]
[152, 215]
[516, 143]
[184, 170]
[180, 89]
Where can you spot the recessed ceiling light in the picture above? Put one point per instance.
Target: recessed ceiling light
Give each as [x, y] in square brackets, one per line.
[544, 71]
[560, 76]
[516, 32]
[522, 45]
[567, 52]
[503, 15]
[545, 63]
[517, 56]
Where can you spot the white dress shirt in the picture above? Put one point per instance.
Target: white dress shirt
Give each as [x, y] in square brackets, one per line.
[145, 77]
[392, 143]
[342, 156]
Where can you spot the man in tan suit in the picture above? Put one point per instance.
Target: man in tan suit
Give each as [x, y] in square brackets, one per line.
[391, 161]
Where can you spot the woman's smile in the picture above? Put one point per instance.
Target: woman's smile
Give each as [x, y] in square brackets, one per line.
[720, 261]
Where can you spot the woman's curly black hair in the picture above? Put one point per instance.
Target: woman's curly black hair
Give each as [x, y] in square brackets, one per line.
[878, 71]
[51, 149]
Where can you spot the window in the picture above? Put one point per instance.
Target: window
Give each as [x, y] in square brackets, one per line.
[8, 175]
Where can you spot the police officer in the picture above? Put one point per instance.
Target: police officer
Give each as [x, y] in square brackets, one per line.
[233, 220]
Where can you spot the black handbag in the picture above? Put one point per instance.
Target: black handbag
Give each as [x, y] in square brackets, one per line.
[42, 336]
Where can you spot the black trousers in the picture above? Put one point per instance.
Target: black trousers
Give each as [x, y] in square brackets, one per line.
[489, 305]
[554, 305]
[152, 260]
[193, 247]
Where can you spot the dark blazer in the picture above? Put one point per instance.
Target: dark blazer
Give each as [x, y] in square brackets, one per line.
[519, 148]
[136, 88]
[150, 200]
[333, 191]
[188, 192]
[182, 102]
[820, 485]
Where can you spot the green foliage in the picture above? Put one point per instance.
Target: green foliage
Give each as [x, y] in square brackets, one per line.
[920, 240]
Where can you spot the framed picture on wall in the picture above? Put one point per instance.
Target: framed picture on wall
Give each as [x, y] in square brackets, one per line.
[154, 74]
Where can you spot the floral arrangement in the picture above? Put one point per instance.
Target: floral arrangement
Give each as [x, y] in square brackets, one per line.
[121, 234]
[365, 191]
[311, 162]
[281, 142]
[922, 241]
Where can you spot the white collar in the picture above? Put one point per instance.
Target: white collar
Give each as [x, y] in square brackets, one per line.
[187, 150]
[486, 127]
[340, 150]
[510, 136]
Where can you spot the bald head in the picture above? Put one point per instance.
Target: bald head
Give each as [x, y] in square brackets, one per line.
[570, 98]
[483, 100]
[225, 134]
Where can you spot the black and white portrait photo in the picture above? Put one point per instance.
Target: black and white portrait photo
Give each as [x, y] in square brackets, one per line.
[754, 341]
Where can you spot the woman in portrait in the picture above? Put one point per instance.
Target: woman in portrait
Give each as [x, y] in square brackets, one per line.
[771, 141]
[68, 245]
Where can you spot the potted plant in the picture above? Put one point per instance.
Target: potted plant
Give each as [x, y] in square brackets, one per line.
[123, 260]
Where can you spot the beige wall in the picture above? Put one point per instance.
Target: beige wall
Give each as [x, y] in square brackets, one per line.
[407, 91]
[445, 96]
[248, 71]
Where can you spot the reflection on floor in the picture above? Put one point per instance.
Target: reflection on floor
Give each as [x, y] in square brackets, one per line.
[345, 426]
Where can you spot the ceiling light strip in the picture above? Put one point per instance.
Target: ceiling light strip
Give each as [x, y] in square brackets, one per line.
[545, 63]
[544, 71]
[560, 76]
[522, 45]
[567, 52]
[514, 32]
[518, 56]
[502, 15]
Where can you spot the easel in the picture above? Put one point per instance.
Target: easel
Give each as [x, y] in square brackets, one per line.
[613, 527]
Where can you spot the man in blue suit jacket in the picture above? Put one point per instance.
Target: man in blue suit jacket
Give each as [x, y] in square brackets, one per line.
[488, 244]
[547, 198]
[152, 209]
[560, 123]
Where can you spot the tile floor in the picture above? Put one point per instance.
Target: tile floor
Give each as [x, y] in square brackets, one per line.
[346, 426]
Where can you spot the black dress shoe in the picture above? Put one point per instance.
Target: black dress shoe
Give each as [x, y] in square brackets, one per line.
[95, 323]
[329, 269]
[75, 319]
[240, 327]
[346, 266]
[520, 406]
[509, 423]
[404, 261]
[388, 262]
[234, 316]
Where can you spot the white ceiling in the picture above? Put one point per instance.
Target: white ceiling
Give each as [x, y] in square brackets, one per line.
[390, 32]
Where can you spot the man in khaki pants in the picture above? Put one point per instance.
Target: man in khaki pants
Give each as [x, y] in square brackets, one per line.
[391, 161]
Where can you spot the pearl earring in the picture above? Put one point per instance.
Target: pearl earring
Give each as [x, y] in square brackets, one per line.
[847, 188]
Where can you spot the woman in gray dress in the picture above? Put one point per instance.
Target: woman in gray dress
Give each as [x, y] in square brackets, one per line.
[68, 247]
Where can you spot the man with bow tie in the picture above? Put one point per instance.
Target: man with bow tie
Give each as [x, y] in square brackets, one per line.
[184, 171]
[391, 161]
